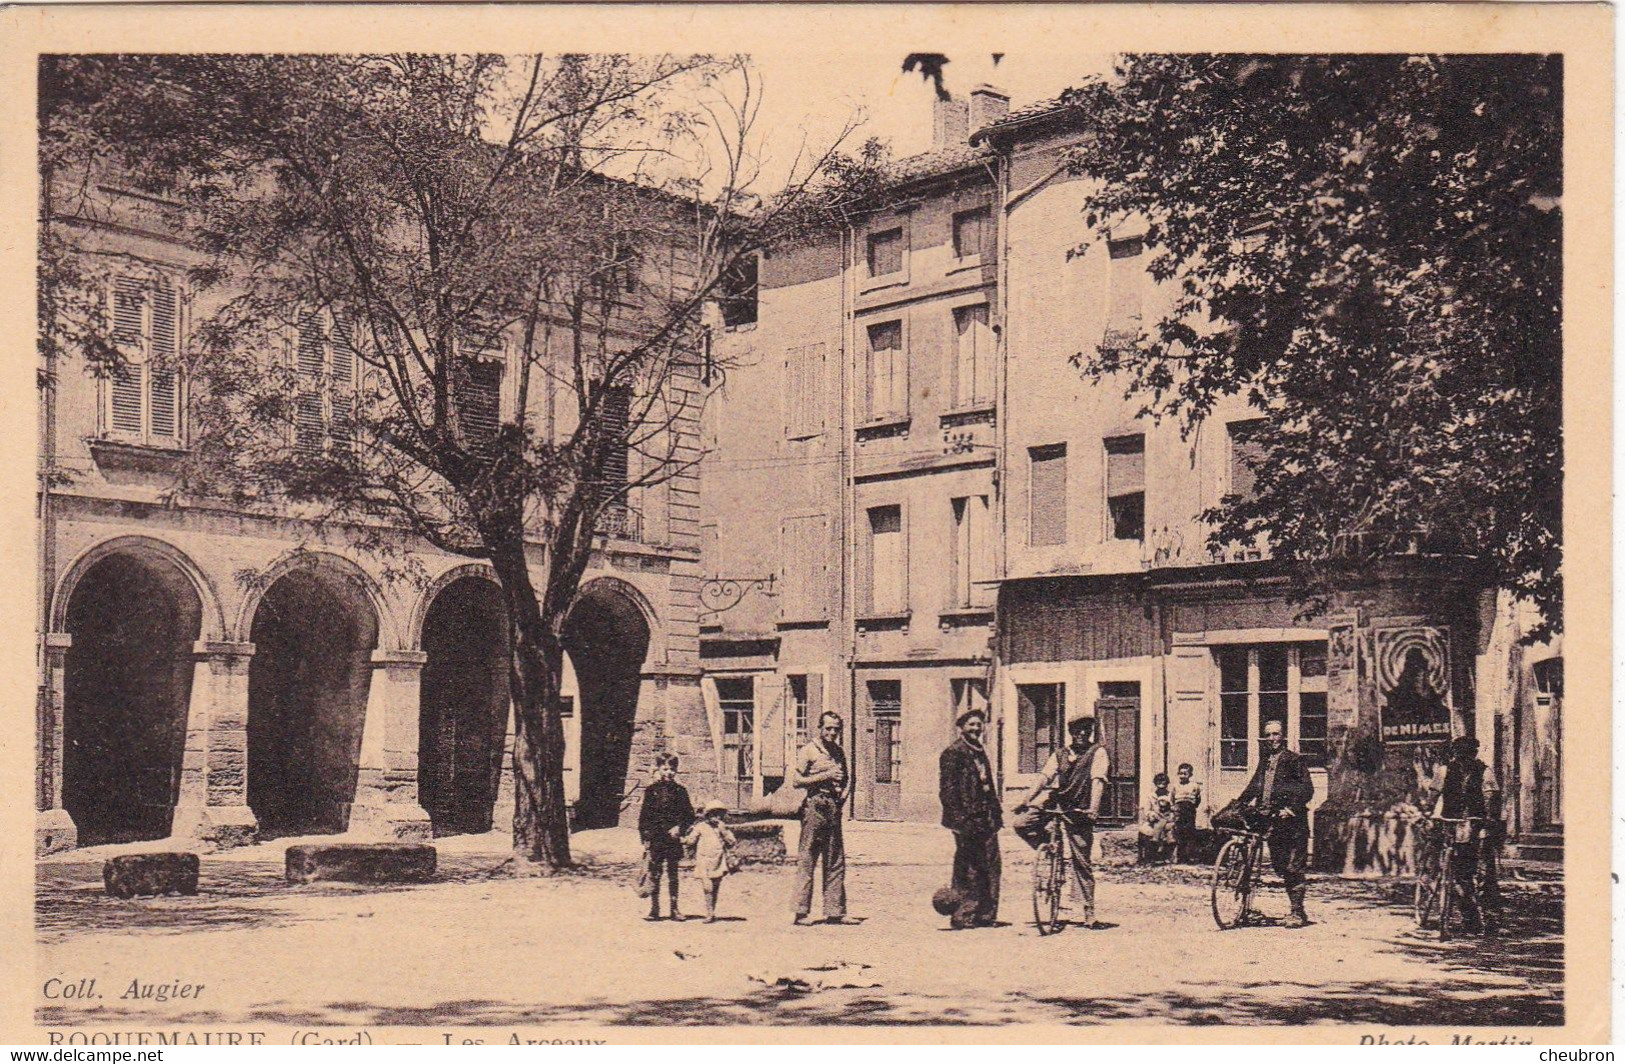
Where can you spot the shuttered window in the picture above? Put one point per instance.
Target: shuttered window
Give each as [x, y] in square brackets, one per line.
[1127, 283]
[972, 233]
[973, 357]
[888, 371]
[885, 252]
[1246, 451]
[886, 571]
[1125, 486]
[481, 404]
[1046, 495]
[326, 363]
[804, 395]
[972, 553]
[144, 392]
[804, 568]
[1040, 709]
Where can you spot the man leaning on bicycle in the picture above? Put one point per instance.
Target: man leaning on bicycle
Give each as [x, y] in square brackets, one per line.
[1469, 799]
[1281, 790]
[1075, 777]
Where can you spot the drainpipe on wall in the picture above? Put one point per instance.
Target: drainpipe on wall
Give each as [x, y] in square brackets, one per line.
[848, 611]
[1001, 417]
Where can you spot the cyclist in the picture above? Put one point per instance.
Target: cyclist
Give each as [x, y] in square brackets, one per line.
[1075, 776]
[1468, 794]
[1281, 790]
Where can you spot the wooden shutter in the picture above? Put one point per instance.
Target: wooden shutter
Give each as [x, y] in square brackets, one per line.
[771, 730]
[1047, 495]
[1189, 673]
[163, 366]
[343, 390]
[1245, 453]
[815, 699]
[310, 361]
[481, 408]
[1125, 465]
[127, 384]
[1026, 732]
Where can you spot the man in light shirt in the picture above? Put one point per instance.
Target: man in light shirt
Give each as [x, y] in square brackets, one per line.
[820, 770]
[1075, 776]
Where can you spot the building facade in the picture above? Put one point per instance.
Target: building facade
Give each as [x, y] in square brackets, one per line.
[1009, 533]
[225, 674]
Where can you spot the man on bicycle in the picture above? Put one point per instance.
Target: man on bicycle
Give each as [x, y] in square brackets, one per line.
[1075, 775]
[1281, 790]
[1469, 793]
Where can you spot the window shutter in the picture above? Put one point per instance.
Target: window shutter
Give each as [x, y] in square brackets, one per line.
[1047, 496]
[163, 369]
[481, 408]
[1026, 733]
[343, 391]
[1125, 465]
[772, 730]
[129, 333]
[311, 354]
[815, 699]
[1245, 454]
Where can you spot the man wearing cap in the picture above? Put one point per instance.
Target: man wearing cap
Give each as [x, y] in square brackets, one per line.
[970, 809]
[1075, 776]
[820, 770]
[1470, 794]
[1281, 790]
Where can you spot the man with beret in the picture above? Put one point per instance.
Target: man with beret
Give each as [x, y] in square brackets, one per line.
[1281, 790]
[970, 809]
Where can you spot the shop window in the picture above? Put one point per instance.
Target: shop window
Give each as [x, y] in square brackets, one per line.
[1265, 682]
[736, 697]
[1040, 714]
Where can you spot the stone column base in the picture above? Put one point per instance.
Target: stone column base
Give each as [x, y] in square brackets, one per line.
[54, 831]
[390, 822]
[220, 826]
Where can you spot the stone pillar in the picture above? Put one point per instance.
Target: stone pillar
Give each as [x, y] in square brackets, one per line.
[54, 829]
[386, 793]
[502, 810]
[213, 803]
[1377, 782]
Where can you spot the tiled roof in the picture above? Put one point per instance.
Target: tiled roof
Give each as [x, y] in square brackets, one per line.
[933, 163]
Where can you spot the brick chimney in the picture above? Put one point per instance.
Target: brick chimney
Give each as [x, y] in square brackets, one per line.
[949, 124]
[987, 106]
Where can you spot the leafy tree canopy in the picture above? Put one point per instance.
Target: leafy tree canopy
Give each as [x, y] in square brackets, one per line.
[1368, 248]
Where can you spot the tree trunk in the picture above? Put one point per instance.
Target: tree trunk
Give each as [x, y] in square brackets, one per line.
[541, 823]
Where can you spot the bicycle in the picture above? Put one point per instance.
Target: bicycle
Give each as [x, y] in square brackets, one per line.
[1237, 872]
[1433, 894]
[1050, 866]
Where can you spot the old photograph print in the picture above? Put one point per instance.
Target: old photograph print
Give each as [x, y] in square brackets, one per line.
[533, 544]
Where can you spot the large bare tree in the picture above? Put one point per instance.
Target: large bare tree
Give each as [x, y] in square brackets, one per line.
[463, 297]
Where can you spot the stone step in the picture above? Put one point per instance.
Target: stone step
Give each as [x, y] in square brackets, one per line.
[1541, 838]
[1547, 854]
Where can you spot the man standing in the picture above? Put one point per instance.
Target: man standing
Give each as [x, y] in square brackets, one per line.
[820, 770]
[970, 809]
[1076, 776]
[1469, 793]
[1281, 790]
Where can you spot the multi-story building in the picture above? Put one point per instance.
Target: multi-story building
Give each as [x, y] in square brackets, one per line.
[228, 673]
[973, 466]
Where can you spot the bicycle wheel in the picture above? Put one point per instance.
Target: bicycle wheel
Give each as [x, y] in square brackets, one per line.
[1049, 881]
[1426, 902]
[1232, 883]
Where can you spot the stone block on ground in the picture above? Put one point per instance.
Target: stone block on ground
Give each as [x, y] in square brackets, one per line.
[760, 842]
[361, 862]
[130, 874]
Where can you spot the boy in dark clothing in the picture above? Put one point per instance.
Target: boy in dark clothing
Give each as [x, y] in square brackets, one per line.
[666, 816]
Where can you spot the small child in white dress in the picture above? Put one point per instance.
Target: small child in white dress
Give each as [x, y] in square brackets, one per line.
[713, 854]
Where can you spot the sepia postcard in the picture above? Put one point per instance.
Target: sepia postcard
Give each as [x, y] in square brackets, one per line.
[554, 524]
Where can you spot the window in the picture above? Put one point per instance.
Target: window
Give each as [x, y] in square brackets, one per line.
[1245, 454]
[1046, 495]
[1126, 283]
[887, 570]
[973, 233]
[886, 710]
[888, 371]
[1040, 712]
[144, 393]
[885, 252]
[804, 391]
[968, 694]
[1125, 486]
[1283, 682]
[614, 414]
[326, 361]
[737, 700]
[480, 403]
[973, 357]
[804, 568]
[806, 704]
[970, 551]
[740, 292]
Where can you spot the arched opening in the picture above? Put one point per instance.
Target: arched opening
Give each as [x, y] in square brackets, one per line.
[606, 637]
[313, 634]
[464, 705]
[133, 619]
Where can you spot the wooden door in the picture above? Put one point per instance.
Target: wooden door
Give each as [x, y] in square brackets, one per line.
[881, 760]
[1117, 712]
